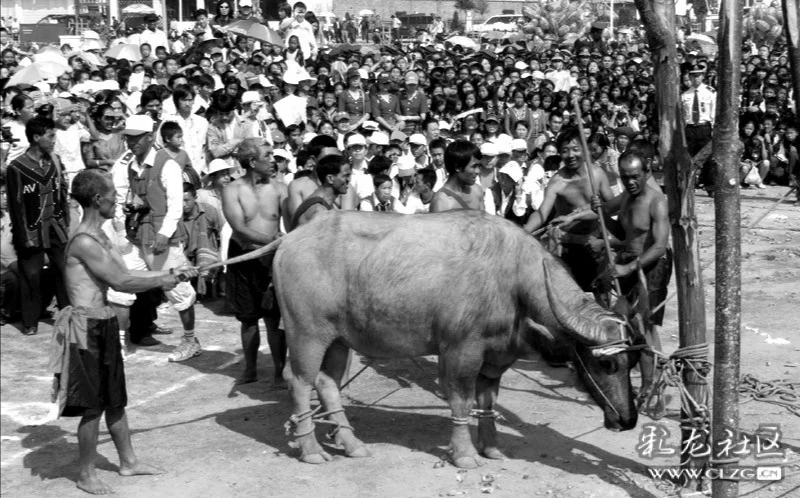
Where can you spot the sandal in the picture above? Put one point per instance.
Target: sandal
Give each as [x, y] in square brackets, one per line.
[186, 350]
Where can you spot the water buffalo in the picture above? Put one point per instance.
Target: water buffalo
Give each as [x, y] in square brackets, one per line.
[472, 288]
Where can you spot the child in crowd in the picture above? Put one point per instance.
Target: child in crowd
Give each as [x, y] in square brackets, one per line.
[382, 200]
[172, 135]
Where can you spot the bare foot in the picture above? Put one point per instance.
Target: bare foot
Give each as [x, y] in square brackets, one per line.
[246, 379]
[94, 486]
[139, 469]
[279, 382]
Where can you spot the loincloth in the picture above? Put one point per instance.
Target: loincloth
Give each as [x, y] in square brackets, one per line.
[657, 275]
[248, 288]
[87, 361]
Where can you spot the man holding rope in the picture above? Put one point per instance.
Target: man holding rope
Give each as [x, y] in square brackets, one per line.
[580, 242]
[252, 206]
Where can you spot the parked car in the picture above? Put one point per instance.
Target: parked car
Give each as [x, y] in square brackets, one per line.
[503, 22]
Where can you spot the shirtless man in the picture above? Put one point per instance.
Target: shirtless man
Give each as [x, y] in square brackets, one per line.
[568, 191]
[303, 187]
[644, 227]
[86, 354]
[333, 172]
[462, 160]
[252, 206]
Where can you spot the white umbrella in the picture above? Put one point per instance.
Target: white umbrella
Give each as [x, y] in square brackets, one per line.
[124, 51]
[701, 39]
[463, 41]
[36, 72]
[138, 8]
[365, 12]
[50, 56]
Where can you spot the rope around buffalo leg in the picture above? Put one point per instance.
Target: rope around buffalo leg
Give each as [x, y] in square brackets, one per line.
[479, 414]
[295, 420]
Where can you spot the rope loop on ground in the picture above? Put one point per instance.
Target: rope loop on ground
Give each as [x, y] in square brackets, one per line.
[781, 392]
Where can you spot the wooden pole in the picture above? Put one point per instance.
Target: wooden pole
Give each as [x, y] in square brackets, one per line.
[728, 300]
[791, 27]
[658, 17]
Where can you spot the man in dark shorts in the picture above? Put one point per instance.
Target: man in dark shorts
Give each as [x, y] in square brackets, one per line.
[252, 205]
[333, 173]
[643, 225]
[86, 354]
[570, 192]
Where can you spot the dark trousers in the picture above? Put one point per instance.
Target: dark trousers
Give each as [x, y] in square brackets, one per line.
[31, 266]
[9, 291]
[697, 136]
[144, 314]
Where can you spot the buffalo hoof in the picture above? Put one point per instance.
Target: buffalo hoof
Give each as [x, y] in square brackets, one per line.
[466, 462]
[493, 454]
[359, 452]
[316, 458]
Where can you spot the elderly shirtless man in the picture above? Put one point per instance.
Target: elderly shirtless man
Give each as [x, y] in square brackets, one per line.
[86, 353]
[568, 192]
[643, 225]
[252, 206]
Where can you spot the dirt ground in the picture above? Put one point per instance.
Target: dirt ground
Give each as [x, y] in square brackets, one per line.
[217, 440]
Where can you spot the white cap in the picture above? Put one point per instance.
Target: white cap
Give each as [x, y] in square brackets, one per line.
[525, 75]
[217, 165]
[444, 125]
[308, 137]
[370, 126]
[418, 139]
[520, 65]
[245, 3]
[282, 153]
[356, 139]
[489, 149]
[406, 166]
[250, 96]
[519, 144]
[138, 124]
[364, 74]
[504, 145]
[513, 170]
[538, 75]
[379, 138]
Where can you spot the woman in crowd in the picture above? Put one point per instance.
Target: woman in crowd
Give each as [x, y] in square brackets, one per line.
[107, 144]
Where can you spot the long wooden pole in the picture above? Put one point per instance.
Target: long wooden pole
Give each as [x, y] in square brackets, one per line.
[658, 17]
[728, 299]
[791, 26]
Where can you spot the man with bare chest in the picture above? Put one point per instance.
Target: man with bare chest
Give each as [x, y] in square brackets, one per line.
[303, 187]
[334, 174]
[462, 160]
[252, 206]
[86, 353]
[568, 191]
[644, 227]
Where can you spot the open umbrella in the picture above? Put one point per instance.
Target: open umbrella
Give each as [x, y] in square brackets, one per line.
[462, 41]
[138, 8]
[127, 51]
[50, 56]
[253, 29]
[37, 72]
[700, 38]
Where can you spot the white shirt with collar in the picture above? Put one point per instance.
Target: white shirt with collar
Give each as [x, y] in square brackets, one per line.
[156, 39]
[707, 100]
[171, 178]
[195, 129]
[362, 181]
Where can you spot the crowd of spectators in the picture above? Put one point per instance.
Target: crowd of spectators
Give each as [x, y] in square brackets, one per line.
[391, 108]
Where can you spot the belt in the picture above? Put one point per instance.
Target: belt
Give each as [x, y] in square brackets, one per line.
[699, 124]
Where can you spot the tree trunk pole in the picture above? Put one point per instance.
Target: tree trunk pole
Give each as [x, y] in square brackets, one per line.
[791, 27]
[659, 19]
[728, 306]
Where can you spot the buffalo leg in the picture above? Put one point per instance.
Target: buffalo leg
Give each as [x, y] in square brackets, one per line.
[305, 368]
[486, 389]
[334, 367]
[460, 372]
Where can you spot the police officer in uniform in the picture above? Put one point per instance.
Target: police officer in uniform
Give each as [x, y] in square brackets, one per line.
[592, 40]
[699, 108]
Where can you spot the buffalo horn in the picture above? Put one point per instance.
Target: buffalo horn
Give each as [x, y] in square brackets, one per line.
[571, 315]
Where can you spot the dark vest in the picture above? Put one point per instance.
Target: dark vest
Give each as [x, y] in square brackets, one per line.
[149, 188]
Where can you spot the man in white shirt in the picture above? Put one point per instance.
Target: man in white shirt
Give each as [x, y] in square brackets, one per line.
[361, 179]
[561, 78]
[303, 30]
[156, 235]
[153, 35]
[195, 128]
